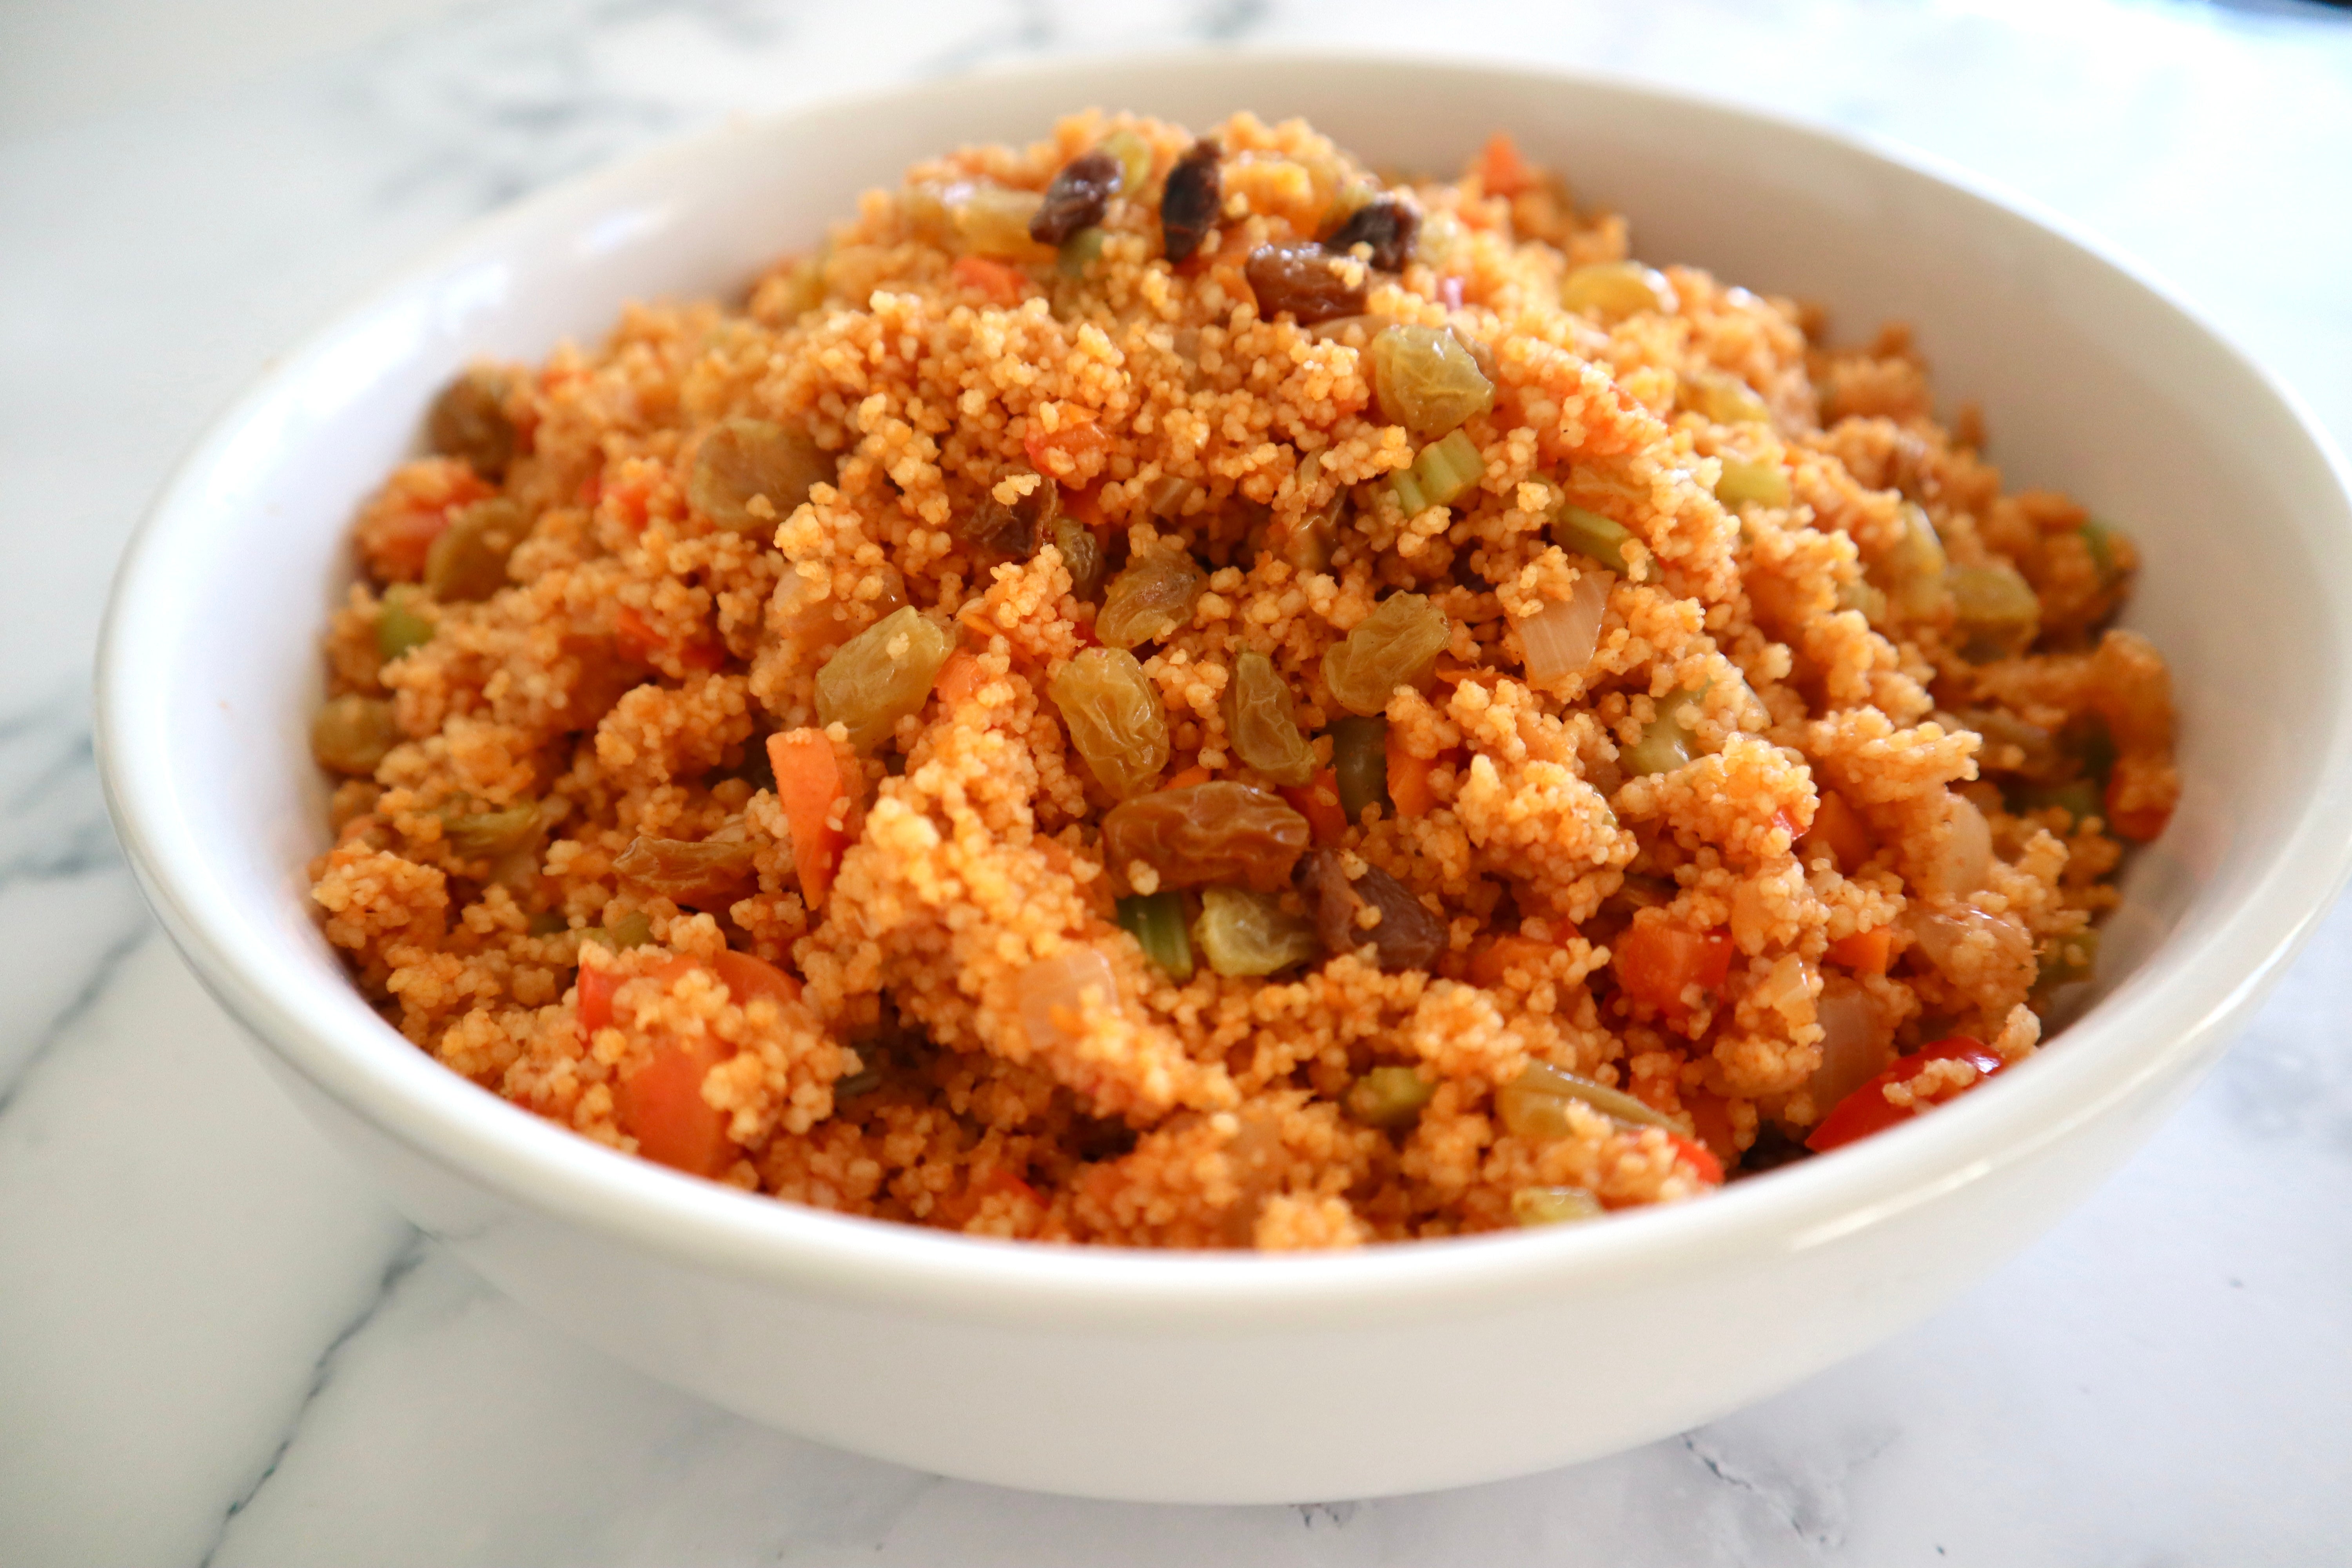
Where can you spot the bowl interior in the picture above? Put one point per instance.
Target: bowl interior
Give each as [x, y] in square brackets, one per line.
[2089, 380]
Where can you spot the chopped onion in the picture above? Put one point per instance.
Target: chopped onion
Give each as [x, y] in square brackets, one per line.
[1559, 641]
[1053, 992]
[1855, 1043]
[1961, 862]
[1944, 936]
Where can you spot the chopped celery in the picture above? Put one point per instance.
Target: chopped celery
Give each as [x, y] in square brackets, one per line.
[1743, 481]
[1157, 920]
[1389, 1097]
[1590, 534]
[1665, 745]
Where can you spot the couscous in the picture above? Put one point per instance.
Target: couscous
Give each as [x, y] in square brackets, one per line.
[1174, 690]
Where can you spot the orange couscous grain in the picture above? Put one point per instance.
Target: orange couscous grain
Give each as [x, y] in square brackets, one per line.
[812, 745]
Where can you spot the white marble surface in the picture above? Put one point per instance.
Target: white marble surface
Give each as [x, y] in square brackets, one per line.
[215, 1346]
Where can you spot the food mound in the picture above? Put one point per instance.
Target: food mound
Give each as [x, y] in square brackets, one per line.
[1180, 692]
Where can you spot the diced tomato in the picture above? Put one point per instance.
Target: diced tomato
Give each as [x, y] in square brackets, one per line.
[1498, 956]
[1195, 774]
[596, 988]
[1656, 963]
[809, 786]
[1867, 1109]
[1001, 284]
[1698, 1157]
[1501, 171]
[2134, 819]
[1865, 951]
[1318, 800]
[661, 1106]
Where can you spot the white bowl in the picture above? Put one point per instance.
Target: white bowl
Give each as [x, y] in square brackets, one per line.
[1237, 1378]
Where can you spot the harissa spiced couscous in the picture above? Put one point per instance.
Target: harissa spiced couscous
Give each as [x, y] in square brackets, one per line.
[1178, 692]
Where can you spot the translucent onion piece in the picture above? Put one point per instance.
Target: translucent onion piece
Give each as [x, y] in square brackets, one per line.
[1559, 641]
[1855, 1043]
[1055, 993]
[1962, 861]
[1554, 1205]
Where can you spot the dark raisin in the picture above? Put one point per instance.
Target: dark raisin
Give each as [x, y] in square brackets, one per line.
[1302, 282]
[1076, 198]
[1406, 936]
[999, 532]
[1188, 205]
[1388, 226]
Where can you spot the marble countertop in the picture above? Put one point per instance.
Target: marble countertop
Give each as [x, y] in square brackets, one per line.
[217, 1346]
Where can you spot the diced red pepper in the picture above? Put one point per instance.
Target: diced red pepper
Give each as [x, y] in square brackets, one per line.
[1698, 1157]
[1867, 1109]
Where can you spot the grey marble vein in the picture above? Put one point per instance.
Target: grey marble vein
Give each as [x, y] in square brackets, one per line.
[403, 1263]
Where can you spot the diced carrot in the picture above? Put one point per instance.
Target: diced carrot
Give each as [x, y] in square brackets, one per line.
[999, 283]
[661, 1106]
[1840, 829]
[1497, 957]
[1698, 1157]
[1656, 963]
[810, 786]
[959, 679]
[1865, 951]
[1501, 171]
[1408, 787]
[1318, 800]
[1195, 774]
[1070, 452]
